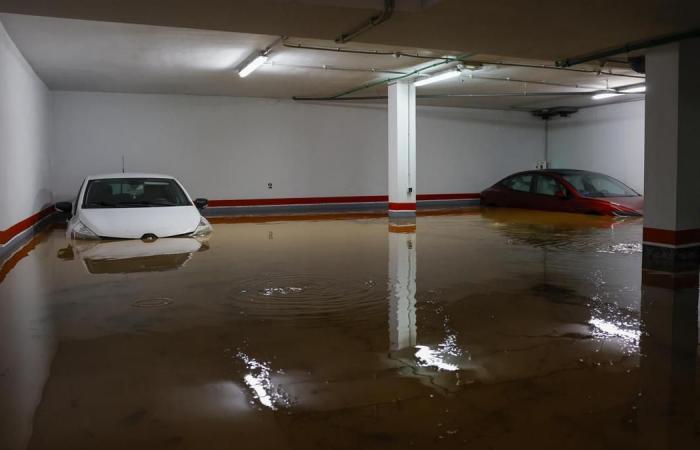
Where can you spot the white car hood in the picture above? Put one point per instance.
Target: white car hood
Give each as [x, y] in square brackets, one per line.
[133, 223]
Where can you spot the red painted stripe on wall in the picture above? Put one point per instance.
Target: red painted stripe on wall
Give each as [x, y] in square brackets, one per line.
[671, 237]
[299, 201]
[14, 230]
[402, 206]
[342, 199]
[469, 196]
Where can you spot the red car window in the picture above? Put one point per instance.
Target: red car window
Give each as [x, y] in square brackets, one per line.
[520, 183]
[547, 185]
[590, 184]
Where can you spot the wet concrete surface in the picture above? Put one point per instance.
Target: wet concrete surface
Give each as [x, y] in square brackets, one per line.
[486, 329]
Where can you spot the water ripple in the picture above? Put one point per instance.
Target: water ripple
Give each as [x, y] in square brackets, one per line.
[310, 297]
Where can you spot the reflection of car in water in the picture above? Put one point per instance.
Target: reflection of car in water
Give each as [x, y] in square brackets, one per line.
[134, 206]
[565, 190]
[558, 230]
[129, 256]
[518, 217]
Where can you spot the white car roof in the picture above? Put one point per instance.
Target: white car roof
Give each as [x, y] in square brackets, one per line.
[129, 175]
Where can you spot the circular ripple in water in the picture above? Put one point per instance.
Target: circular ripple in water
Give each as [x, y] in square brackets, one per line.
[159, 302]
[300, 297]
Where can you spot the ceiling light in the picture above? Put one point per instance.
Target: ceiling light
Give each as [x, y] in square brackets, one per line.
[252, 65]
[604, 95]
[634, 90]
[438, 77]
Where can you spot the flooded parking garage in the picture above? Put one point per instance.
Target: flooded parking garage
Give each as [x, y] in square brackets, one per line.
[481, 328]
[343, 224]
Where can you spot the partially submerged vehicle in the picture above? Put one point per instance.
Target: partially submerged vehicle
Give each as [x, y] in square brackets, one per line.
[565, 190]
[134, 206]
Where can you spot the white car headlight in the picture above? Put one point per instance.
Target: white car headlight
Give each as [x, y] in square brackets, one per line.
[203, 229]
[81, 231]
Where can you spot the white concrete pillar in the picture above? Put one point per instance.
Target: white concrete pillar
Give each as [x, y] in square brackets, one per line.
[672, 156]
[402, 149]
[402, 287]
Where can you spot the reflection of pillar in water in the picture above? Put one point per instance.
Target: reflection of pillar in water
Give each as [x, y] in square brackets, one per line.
[668, 347]
[402, 285]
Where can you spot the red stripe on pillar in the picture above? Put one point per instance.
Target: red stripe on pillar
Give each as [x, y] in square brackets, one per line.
[402, 228]
[402, 206]
[671, 237]
[14, 230]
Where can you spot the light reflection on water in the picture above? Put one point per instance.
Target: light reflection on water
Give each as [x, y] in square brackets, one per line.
[280, 291]
[629, 332]
[428, 357]
[259, 381]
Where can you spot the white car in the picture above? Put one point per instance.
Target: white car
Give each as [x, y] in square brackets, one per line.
[134, 206]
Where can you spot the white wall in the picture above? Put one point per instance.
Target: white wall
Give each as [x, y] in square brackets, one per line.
[607, 139]
[467, 150]
[221, 147]
[24, 128]
[226, 148]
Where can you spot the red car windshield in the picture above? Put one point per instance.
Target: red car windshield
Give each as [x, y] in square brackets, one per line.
[598, 186]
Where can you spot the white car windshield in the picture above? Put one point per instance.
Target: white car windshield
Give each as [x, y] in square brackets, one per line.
[133, 193]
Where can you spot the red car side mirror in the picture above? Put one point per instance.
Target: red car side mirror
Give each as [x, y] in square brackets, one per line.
[561, 193]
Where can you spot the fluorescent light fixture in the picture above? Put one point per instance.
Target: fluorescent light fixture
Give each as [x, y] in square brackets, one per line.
[252, 65]
[604, 95]
[439, 77]
[634, 90]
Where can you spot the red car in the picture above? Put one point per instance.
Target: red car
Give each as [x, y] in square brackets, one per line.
[565, 190]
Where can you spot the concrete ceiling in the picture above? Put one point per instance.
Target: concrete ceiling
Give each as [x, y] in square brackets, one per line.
[87, 55]
[542, 29]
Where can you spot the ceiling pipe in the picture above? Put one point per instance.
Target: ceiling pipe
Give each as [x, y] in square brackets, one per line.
[369, 24]
[568, 69]
[356, 51]
[628, 48]
[399, 54]
[338, 68]
[589, 90]
[471, 76]
[386, 81]
[540, 83]
[428, 96]
[628, 99]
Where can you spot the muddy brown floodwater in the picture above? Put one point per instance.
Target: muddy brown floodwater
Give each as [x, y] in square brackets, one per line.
[487, 329]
